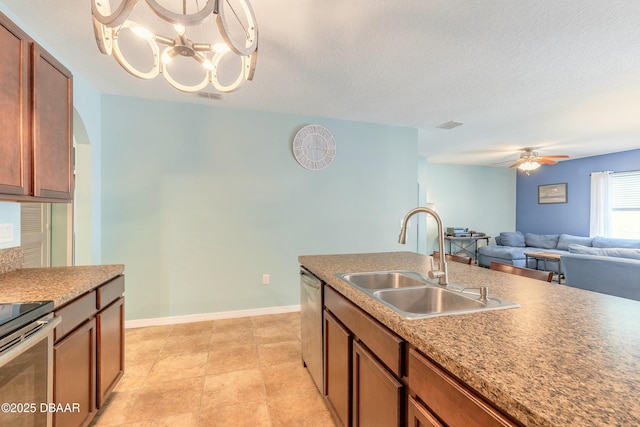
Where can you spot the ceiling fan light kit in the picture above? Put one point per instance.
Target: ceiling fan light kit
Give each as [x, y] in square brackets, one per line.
[529, 160]
[169, 37]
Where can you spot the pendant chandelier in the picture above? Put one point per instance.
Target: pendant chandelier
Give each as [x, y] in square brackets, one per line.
[177, 38]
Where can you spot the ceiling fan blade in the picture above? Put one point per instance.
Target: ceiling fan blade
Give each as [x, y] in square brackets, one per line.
[556, 157]
[518, 163]
[546, 161]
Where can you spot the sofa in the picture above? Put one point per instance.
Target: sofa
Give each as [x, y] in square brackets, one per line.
[612, 271]
[600, 264]
[511, 246]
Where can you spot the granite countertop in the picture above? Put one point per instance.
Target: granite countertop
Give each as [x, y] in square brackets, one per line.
[59, 284]
[566, 357]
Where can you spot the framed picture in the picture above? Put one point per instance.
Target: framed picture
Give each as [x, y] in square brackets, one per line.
[552, 193]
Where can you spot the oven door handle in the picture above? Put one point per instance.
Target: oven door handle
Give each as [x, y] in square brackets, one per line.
[23, 343]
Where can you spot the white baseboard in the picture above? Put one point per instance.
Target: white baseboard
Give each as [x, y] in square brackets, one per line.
[189, 318]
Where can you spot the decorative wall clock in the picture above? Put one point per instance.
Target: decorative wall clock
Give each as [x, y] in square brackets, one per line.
[314, 147]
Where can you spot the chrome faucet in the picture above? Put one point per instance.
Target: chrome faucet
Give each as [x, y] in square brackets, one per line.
[441, 273]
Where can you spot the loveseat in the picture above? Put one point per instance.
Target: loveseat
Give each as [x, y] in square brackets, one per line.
[606, 265]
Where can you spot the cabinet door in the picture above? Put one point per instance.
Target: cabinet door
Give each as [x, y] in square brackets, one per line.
[377, 395]
[110, 344]
[419, 416]
[14, 110]
[74, 373]
[52, 127]
[337, 368]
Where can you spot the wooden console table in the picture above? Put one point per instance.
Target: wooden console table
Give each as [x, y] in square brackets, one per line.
[544, 256]
[458, 243]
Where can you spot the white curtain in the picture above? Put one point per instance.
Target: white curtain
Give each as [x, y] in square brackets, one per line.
[600, 204]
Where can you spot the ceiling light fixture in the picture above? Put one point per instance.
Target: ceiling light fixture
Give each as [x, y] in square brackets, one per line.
[168, 25]
[528, 166]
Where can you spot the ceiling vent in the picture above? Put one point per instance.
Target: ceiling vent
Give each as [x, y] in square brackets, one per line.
[449, 125]
[210, 96]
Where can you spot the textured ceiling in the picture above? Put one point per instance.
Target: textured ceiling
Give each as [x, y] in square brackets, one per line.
[560, 76]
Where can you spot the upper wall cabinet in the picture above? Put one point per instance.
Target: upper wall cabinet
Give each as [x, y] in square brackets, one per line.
[35, 121]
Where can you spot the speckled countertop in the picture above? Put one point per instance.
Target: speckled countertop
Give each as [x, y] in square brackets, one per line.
[59, 284]
[566, 357]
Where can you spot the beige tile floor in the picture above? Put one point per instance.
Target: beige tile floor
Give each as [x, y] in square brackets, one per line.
[233, 372]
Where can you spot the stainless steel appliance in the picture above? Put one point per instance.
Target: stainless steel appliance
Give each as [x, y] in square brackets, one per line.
[311, 328]
[26, 363]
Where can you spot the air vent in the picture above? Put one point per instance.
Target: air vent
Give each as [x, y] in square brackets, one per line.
[449, 125]
[209, 95]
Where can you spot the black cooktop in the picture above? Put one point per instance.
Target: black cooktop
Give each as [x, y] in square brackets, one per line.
[13, 316]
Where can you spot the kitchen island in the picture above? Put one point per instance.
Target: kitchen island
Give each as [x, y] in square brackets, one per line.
[566, 357]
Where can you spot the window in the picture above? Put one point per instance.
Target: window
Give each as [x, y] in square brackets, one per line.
[625, 205]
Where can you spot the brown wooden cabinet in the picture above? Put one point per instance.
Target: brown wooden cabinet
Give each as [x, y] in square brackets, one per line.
[74, 360]
[88, 352]
[337, 368]
[110, 345]
[377, 395]
[419, 416]
[15, 135]
[363, 363]
[36, 103]
[438, 399]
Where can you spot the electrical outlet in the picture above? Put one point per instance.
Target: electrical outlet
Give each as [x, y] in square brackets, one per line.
[266, 279]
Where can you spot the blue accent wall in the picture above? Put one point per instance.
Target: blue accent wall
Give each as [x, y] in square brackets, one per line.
[571, 217]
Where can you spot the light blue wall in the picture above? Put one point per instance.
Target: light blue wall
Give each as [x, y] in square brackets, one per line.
[87, 103]
[198, 202]
[571, 217]
[10, 214]
[481, 198]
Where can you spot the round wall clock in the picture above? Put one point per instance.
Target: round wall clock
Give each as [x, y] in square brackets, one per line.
[314, 147]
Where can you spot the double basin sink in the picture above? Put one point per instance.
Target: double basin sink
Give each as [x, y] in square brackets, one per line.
[414, 297]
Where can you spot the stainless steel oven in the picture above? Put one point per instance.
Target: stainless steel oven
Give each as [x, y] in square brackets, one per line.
[26, 364]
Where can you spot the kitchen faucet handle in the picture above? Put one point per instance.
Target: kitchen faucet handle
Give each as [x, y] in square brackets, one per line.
[436, 273]
[440, 265]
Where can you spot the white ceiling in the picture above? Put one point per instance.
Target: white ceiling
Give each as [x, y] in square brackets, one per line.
[562, 76]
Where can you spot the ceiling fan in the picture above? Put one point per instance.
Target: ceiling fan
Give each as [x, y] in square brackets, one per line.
[529, 160]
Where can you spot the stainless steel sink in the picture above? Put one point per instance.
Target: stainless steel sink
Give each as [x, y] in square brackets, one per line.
[384, 279]
[415, 297]
[429, 300]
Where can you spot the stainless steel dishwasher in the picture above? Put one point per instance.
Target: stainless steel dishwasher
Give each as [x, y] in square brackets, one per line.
[311, 328]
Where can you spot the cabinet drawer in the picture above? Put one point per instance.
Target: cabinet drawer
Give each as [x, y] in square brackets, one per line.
[453, 403]
[386, 345]
[74, 313]
[109, 292]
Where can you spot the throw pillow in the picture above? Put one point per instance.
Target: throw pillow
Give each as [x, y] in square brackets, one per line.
[567, 239]
[512, 238]
[542, 241]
